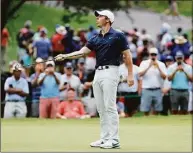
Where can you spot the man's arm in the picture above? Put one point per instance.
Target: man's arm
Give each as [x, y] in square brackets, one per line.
[74, 55]
[129, 64]
[162, 73]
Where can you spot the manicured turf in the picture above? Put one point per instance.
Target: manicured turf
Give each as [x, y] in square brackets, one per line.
[138, 134]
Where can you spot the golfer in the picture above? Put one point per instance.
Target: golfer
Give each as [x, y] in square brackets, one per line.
[110, 45]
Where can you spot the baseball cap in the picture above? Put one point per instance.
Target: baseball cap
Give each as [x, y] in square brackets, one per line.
[106, 13]
[169, 58]
[179, 54]
[68, 65]
[81, 60]
[50, 63]
[17, 67]
[153, 51]
[39, 60]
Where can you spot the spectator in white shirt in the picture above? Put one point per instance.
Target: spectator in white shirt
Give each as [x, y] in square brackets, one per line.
[153, 72]
[69, 80]
[131, 94]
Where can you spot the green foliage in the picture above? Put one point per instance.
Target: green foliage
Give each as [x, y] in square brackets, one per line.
[184, 7]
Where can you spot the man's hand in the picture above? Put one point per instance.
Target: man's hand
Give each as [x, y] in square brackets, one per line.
[130, 80]
[60, 57]
[180, 68]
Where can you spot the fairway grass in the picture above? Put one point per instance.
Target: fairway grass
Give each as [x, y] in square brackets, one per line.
[138, 134]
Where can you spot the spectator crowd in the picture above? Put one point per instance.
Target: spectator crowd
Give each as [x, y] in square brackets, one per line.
[162, 74]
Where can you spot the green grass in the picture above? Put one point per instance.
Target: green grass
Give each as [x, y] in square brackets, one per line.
[40, 15]
[138, 134]
[184, 7]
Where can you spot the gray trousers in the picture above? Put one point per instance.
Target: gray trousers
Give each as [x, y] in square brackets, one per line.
[35, 109]
[179, 99]
[105, 90]
[15, 109]
[151, 98]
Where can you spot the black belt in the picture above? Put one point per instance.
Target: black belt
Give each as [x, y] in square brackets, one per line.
[102, 67]
[152, 88]
[14, 101]
[182, 90]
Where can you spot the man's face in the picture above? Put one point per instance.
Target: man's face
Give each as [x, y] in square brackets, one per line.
[169, 62]
[153, 56]
[81, 66]
[101, 20]
[17, 74]
[71, 95]
[179, 59]
[68, 70]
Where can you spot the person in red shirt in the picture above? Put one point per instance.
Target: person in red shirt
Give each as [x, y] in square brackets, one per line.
[71, 108]
[58, 45]
[4, 44]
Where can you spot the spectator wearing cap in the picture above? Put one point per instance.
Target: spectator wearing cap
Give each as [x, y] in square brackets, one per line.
[68, 80]
[42, 47]
[58, 44]
[49, 82]
[80, 72]
[169, 60]
[36, 89]
[153, 72]
[181, 44]
[180, 74]
[17, 90]
[4, 44]
[131, 99]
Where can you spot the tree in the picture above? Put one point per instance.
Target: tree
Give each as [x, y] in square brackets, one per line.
[8, 9]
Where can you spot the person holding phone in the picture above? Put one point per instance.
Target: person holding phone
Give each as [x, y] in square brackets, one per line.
[153, 72]
[180, 75]
[17, 90]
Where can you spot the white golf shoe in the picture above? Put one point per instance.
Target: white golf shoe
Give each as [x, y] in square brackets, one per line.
[97, 143]
[110, 145]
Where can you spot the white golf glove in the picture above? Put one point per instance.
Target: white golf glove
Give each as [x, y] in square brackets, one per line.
[60, 57]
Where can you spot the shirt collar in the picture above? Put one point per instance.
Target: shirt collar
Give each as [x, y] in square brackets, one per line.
[111, 30]
[15, 79]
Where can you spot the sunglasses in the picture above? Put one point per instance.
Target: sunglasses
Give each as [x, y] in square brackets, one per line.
[69, 68]
[153, 54]
[179, 58]
[49, 65]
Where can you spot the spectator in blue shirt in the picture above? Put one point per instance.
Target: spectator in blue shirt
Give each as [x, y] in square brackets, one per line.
[180, 74]
[49, 82]
[43, 45]
[17, 90]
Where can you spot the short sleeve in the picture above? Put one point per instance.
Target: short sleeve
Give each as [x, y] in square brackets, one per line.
[6, 86]
[189, 70]
[25, 87]
[41, 76]
[90, 44]
[142, 67]
[123, 43]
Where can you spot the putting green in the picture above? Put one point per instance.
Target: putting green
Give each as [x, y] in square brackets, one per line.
[144, 134]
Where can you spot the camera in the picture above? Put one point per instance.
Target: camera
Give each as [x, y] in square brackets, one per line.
[179, 63]
[10, 86]
[65, 83]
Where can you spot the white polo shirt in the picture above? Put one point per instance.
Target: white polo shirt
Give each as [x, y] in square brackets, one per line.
[123, 72]
[152, 78]
[74, 82]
